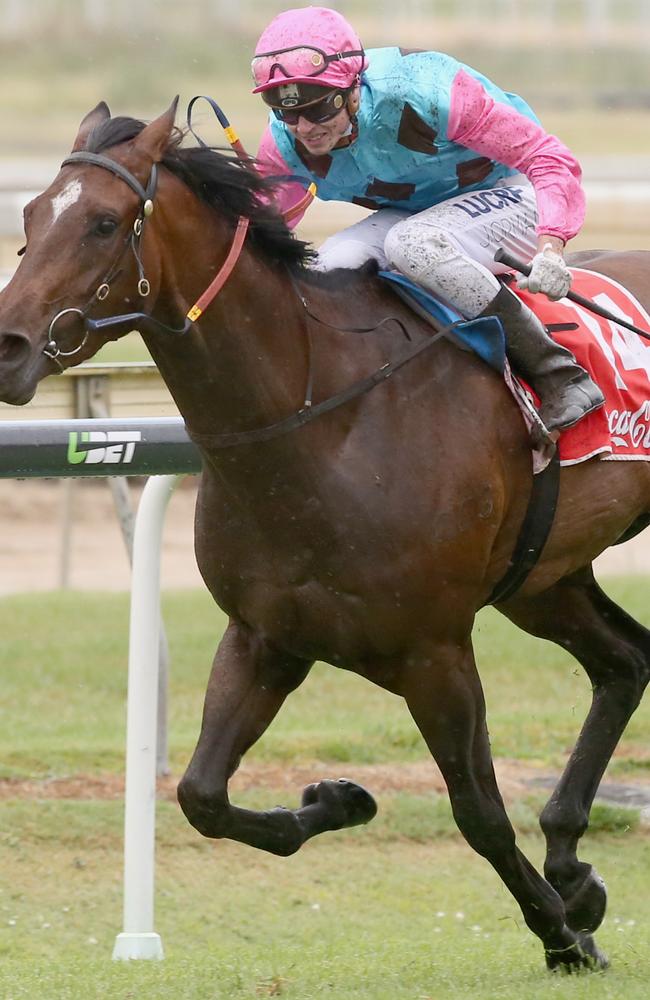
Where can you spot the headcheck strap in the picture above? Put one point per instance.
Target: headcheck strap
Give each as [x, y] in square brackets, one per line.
[229, 131]
[300, 206]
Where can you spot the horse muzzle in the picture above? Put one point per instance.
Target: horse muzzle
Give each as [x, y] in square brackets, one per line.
[15, 349]
[21, 367]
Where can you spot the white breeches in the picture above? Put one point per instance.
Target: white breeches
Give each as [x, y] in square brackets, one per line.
[447, 249]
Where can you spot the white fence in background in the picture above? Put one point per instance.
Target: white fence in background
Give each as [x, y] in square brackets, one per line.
[608, 180]
[598, 17]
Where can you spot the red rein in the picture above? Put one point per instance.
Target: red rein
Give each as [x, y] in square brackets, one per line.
[243, 223]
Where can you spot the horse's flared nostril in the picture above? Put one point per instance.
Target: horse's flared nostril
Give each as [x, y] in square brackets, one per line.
[14, 349]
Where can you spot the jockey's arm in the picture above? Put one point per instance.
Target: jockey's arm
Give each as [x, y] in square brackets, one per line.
[271, 163]
[504, 134]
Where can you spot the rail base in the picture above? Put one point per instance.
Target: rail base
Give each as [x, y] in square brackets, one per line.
[129, 946]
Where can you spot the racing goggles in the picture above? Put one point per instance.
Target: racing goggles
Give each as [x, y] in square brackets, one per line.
[297, 62]
[317, 113]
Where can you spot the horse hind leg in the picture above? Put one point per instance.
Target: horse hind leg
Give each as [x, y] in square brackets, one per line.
[614, 650]
[445, 697]
[248, 684]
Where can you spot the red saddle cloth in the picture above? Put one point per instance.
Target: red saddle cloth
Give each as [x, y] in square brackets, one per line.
[618, 360]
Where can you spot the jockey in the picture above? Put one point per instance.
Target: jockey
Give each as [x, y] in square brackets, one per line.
[452, 166]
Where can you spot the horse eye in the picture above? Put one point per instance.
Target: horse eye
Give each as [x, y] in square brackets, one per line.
[20, 252]
[106, 227]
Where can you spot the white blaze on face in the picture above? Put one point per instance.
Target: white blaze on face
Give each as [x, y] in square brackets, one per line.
[64, 199]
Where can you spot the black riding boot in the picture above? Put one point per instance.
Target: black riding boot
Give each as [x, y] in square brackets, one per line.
[566, 390]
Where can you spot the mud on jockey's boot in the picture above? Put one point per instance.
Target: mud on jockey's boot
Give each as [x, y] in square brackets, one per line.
[566, 390]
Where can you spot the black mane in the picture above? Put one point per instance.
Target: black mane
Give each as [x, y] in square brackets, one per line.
[225, 183]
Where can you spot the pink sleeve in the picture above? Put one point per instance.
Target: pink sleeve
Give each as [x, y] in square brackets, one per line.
[271, 163]
[502, 133]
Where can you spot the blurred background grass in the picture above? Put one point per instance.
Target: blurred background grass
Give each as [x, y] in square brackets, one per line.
[51, 723]
[59, 57]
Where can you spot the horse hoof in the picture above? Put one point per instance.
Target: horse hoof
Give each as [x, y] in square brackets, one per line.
[596, 960]
[585, 909]
[583, 956]
[346, 803]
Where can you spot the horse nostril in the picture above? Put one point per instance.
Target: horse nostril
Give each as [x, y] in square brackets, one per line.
[14, 348]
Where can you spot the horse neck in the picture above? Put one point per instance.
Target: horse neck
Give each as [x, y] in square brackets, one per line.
[244, 364]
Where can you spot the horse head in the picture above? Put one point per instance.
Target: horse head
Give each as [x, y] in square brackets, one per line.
[83, 255]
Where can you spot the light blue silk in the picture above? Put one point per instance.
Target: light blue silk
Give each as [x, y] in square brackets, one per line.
[422, 80]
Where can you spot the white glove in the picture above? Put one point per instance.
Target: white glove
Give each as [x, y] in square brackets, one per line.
[548, 274]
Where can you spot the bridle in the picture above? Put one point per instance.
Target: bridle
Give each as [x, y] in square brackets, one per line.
[133, 241]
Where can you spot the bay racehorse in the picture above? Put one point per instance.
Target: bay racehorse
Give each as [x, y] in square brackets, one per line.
[368, 537]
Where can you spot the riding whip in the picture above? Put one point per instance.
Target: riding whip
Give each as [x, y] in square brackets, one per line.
[504, 257]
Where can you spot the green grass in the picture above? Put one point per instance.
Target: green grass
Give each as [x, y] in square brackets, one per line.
[353, 915]
[367, 913]
[128, 348]
[63, 692]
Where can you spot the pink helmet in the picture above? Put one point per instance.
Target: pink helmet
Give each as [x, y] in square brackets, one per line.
[313, 45]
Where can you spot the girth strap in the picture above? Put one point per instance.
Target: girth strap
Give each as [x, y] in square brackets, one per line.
[533, 533]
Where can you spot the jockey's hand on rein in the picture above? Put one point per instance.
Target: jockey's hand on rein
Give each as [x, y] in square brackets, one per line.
[548, 274]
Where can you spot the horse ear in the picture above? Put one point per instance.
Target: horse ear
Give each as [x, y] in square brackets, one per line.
[91, 121]
[154, 139]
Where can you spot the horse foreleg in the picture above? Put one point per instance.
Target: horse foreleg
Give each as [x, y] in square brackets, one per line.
[445, 697]
[615, 652]
[248, 684]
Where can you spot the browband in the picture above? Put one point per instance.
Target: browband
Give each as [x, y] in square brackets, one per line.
[116, 168]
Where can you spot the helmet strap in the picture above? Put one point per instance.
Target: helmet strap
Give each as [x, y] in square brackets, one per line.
[354, 97]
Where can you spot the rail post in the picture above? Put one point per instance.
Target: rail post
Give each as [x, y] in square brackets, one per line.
[160, 449]
[138, 938]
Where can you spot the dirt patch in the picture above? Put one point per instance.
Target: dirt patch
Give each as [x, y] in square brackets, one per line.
[516, 780]
[67, 531]
[417, 778]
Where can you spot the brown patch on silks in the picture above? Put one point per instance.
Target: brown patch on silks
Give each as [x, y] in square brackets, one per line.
[366, 203]
[474, 171]
[410, 52]
[318, 165]
[414, 133]
[392, 192]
